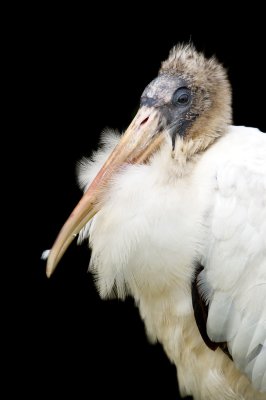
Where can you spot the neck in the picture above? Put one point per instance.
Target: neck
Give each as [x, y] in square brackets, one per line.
[195, 143]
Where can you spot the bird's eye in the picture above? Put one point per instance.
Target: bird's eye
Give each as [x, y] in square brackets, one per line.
[181, 97]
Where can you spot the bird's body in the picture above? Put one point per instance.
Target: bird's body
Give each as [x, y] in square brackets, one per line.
[183, 229]
[158, 221]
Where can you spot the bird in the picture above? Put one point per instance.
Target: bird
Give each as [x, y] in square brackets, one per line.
[174, 211]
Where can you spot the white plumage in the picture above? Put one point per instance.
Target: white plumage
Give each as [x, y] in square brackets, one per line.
[157, 221]
[153, 227]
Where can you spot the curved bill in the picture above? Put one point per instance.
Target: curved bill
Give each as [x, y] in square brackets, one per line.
[141, 139]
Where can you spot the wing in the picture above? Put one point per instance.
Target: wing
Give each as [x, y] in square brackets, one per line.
[233, 281]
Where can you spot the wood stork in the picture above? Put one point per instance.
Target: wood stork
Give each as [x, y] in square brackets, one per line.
[175, 213]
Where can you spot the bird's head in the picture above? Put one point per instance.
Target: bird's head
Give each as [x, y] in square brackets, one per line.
[192, 96]
[189, 103]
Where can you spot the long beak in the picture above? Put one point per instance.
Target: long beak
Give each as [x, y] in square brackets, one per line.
[141, 139]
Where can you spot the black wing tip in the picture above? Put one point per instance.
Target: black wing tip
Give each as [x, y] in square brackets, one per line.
[201, 310]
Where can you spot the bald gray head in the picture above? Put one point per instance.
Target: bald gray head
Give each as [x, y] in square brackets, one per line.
[192, 94]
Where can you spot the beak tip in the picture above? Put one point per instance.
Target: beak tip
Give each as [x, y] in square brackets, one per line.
[48, 273]
[50, 267]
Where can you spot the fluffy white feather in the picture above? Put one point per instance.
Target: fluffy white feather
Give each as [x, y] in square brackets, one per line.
[45, 254]
[153, 227]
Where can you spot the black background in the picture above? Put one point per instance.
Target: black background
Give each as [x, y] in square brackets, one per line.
[73, 80]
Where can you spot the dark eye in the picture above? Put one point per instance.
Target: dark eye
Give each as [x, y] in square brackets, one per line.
[181, 97]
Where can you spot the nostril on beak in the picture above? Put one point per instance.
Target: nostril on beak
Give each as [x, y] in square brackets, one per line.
[144, 121]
